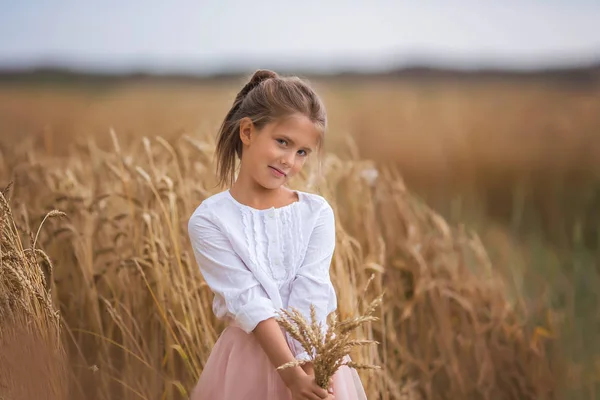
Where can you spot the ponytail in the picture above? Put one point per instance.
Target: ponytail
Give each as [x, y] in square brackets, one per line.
[229, 144]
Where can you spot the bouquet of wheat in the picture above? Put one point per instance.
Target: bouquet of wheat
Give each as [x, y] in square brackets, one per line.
[327, 350]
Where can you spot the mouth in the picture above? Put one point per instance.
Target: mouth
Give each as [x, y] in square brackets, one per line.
[277, 171]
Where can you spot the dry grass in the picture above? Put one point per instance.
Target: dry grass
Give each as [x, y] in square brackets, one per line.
[137, 319]
[32, 360]
[511, 150]
[136, 306]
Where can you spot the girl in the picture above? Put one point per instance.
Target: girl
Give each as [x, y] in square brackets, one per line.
[261, 246]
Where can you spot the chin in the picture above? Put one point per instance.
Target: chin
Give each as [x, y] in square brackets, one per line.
[271, 183]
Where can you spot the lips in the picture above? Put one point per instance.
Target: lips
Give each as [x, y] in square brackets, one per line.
[277, 171]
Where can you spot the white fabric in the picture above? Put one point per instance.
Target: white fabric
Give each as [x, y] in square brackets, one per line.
[258, 261]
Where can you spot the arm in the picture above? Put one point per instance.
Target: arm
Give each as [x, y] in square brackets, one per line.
[227, 275]
[301, 383]
[269, 335]
[313, 283]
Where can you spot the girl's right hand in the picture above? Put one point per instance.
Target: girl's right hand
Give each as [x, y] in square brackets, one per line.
[304, 387]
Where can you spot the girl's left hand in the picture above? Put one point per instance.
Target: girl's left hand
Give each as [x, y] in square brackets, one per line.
[309, 368]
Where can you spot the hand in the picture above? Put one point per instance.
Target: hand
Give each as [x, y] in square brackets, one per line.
[309, 368]
[330, 395]
[330, 390]
[304, 387]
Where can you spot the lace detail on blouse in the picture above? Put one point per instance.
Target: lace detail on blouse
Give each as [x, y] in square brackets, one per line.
[272, 241]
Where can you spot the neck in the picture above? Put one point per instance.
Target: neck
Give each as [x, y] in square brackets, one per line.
[249, 192]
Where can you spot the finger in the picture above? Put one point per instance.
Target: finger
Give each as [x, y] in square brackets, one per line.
[322, 393]
[314, 396]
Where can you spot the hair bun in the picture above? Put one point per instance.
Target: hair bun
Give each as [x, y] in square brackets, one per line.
[258, 76]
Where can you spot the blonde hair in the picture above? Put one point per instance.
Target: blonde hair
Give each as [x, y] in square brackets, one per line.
[264, 99]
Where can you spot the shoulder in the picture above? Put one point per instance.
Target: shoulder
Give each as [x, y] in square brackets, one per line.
[317, 210]
[205, 213]
[316, 203]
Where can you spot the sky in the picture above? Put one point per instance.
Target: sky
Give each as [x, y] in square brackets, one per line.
[327, 35]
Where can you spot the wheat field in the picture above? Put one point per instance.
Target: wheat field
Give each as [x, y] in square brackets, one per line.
[473, 204]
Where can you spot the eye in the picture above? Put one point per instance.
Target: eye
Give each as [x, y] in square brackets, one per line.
[282, 142]
[302, 153]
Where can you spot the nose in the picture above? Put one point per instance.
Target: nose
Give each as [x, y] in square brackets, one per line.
[288, 158]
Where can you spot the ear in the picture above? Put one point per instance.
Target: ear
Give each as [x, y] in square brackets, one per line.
[246, 130]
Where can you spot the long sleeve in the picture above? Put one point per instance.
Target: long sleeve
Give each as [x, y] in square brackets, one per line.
[227, 275]
[312, 283]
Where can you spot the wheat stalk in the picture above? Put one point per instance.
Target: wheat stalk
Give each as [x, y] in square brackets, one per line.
[327, 350]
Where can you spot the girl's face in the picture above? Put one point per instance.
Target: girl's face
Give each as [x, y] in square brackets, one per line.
[274, 154]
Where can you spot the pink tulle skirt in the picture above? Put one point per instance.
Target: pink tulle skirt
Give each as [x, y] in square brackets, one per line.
[239, 369]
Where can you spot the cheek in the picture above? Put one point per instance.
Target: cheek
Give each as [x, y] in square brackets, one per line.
[265, 153]
[299, 163]
[271, 151]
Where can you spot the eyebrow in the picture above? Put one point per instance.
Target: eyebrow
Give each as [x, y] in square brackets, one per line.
[292, 142]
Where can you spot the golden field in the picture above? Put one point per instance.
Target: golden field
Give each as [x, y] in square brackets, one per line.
[481, 228]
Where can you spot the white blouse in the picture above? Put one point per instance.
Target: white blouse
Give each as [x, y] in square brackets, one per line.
[258, 261]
